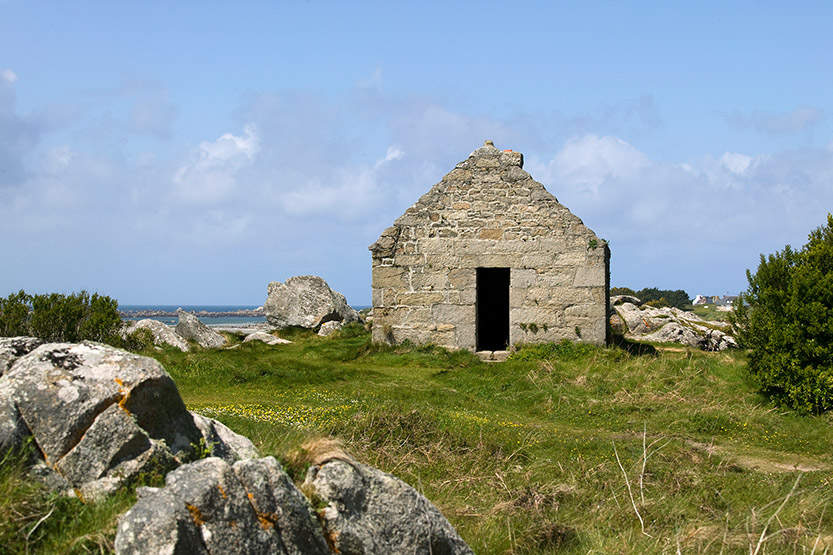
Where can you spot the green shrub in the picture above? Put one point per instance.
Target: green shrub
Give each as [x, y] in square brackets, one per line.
[622, 291]
[652, 296]
[14, 314]
[139, 340]
[785, 318]
[57, 317]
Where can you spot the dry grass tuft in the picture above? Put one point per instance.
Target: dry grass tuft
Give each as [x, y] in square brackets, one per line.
[551, 536]
[317, 451]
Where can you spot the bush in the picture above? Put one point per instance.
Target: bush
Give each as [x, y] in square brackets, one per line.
[139, 340]
[57, 317]
[656, 297]
[785, 318]
[14, 314]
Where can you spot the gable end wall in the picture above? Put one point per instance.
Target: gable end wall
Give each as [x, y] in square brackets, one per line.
[489, 213]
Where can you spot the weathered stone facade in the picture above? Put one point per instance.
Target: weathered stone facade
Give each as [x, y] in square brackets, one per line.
[440, 271]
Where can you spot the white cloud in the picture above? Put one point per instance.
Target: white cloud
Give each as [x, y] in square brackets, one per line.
[8, 76]
[212, 174]
[229, 146]
[697, 225]
[19, 133]
[393, 153]
[589, 161]
[736, 163]
[350, 194]
[783, 123]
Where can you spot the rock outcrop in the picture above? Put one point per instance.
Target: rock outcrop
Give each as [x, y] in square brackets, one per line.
[190, 327]
[671, 325]
[209, 506]
[621, 299]
[252, 507]
[162, 333]
[99, 416]
[12, 348]
[267, 338]
[306, 301]
[370, 511]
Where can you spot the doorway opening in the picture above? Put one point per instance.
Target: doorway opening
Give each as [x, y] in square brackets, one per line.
[492, 309]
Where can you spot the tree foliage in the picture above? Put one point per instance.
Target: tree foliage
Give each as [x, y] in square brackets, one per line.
[656, 297]
[785, 318]
[57, 317]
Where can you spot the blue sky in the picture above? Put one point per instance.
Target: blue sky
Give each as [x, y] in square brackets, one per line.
[191, 152]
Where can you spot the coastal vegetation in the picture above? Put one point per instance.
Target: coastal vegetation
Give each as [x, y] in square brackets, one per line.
[566, 447]
[785, 318]
[656, 297]
[57, 317]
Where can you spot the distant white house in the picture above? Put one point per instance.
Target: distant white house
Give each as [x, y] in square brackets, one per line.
[722, 303]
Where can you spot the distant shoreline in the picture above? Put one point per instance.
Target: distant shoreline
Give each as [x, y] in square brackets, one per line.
[213, 315]
[167, 313]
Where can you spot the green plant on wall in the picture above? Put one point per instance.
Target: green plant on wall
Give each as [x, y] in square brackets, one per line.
[533, 327]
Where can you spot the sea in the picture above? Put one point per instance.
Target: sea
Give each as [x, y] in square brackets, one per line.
[221, 314]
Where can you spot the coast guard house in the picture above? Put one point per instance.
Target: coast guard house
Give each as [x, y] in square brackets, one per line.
[486, 259]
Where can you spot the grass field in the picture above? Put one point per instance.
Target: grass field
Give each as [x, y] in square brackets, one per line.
[563, 448]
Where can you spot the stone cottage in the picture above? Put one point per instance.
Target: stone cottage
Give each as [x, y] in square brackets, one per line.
[486, 259]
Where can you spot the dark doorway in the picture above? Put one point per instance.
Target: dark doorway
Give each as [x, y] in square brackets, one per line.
[492, 319]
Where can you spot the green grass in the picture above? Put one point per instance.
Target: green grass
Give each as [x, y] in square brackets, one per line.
[521, 456]
[36, 521]
[709, 312]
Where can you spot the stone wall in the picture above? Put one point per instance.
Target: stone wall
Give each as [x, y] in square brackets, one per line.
[489, 213]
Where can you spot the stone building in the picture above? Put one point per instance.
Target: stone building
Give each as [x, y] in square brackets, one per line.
[486, 259]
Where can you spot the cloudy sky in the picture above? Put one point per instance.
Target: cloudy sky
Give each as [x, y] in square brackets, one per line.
[191, 152]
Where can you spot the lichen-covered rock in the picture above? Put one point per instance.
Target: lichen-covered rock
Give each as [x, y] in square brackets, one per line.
[99, 415]
[329, 328]
[369, 511]
[674, 332]
[221, 442]
[12, 348]
[211, 507]
[190, 327]
[12, 428]
[306, 301]
[159, 522]
[162, 333]
[276, 500]
[267, 338]
[672, 325]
